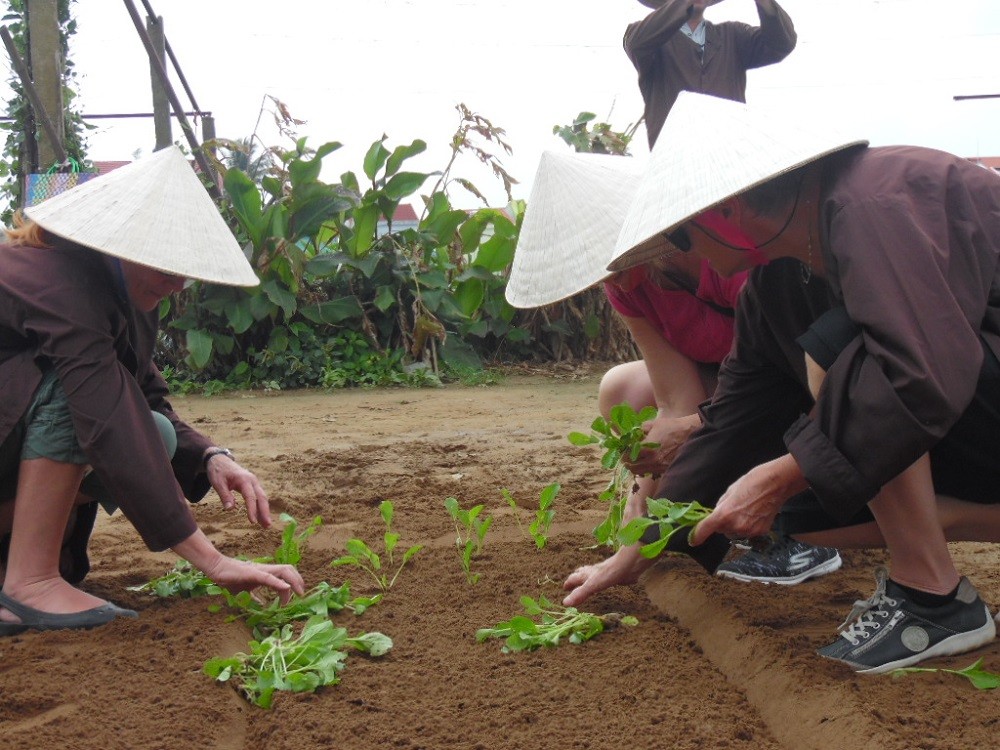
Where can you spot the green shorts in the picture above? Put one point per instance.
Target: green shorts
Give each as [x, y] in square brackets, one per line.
[46, 431]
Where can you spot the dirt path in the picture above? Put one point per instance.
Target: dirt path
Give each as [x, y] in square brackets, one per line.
[712, 664]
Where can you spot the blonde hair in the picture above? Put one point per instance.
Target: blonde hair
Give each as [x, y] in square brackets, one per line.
[25, 232]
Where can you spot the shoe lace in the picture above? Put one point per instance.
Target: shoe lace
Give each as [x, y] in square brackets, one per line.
[863, 619]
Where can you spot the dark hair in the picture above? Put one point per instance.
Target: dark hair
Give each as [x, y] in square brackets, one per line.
[772, 197]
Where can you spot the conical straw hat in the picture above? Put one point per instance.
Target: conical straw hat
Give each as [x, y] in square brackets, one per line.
[154, 212]
[711, 149]
[576, 207]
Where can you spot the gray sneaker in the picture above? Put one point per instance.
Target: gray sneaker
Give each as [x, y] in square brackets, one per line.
[887, 632]
[785, 562]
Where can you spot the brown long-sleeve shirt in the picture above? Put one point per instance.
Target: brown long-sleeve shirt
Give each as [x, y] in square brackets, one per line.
[668, 62]
[63, 307]
[911, 244]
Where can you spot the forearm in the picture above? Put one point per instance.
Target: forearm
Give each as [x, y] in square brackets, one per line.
[685, 425]
[776, 37]
[783, 479]
[656, 28]
[199, 551]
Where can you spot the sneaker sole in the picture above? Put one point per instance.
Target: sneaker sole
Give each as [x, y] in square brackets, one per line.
[956, 644]
[822, 569]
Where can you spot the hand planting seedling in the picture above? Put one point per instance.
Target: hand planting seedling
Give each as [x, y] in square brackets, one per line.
[671, 517]
[539, 528]
[470, 533]
[622, 437]
[184, 580]
[302, 663]
[554, 623]
[979, 677]
[264, 618]
[361, 555]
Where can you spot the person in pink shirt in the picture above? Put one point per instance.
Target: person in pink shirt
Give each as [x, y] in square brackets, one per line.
[681, 320]
[678, 310]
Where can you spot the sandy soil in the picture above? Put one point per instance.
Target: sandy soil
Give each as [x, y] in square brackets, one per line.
[712, 664]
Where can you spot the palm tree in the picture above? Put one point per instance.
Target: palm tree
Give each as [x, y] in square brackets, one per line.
[247, 156]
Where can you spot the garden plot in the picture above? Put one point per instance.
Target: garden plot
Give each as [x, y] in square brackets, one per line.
[708, 664]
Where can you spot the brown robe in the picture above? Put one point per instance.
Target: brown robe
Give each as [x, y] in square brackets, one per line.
[911, 243]
[668, 62]
[63, 307]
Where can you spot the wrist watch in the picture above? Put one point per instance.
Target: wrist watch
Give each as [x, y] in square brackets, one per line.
[212, 452]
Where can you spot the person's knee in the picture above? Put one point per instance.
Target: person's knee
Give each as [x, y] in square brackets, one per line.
[167, 433]
[613, 390]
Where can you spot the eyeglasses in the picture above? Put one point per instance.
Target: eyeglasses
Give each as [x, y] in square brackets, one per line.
[680, 239]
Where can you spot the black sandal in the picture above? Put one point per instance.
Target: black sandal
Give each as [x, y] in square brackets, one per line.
[34, 619]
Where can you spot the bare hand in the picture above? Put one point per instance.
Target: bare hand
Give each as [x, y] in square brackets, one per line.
[228, 476]
[748, 507]
[621, 569]
[670, 433]
[240, 575]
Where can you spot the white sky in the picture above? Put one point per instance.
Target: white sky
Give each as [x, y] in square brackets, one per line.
[356, 70]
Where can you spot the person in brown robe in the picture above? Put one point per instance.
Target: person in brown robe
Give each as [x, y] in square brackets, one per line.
[709, 59]
[80, 287]
[675, 49]
[900, 248]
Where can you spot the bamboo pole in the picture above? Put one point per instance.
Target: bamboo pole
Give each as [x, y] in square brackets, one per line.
[161, 73]
[33, 98]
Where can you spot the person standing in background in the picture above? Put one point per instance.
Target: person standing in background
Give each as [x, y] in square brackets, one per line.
[675, 49]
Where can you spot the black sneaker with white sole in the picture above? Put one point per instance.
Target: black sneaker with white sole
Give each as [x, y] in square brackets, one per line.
[785, 562]
[887, 632]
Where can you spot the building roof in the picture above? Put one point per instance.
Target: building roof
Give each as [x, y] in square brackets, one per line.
[990, 162]
[103, 167]
[404, 212]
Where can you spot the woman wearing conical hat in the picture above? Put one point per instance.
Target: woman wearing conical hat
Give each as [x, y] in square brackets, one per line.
[80, 284]
[865, 373]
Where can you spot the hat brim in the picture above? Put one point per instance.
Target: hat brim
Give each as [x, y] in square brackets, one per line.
[154, 212]
[573, 216]
[709, 150]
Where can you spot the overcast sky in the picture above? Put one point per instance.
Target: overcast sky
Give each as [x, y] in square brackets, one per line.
[356, 70]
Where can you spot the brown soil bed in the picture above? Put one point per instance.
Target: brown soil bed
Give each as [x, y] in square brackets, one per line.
[712, 664]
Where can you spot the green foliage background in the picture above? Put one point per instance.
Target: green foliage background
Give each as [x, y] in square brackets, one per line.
[20, 150]
[346, 298]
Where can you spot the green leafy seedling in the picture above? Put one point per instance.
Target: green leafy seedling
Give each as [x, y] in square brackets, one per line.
[539, 528]
[286, 662]
[621, 437]
[183, 580]
[360, 555]
[553, 623]
[506, 494]
[289, 550]
[669, 516]
[974, 673]
[470, 533]
[264, 618]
